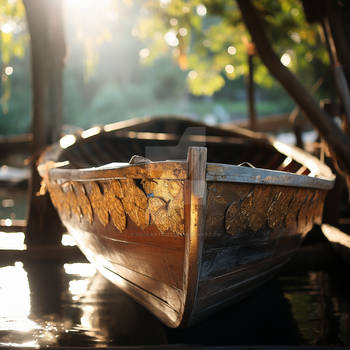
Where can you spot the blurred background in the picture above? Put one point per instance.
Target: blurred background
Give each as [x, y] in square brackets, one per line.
[136, 58]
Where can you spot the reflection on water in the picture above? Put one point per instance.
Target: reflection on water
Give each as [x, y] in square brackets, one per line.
[46, 304]
[67, 240]
[15, 240]
[15, 307]
[320, 303]
[14, 297]
[12, 240]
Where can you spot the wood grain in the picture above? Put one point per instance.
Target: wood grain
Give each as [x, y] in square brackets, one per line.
[184, 237]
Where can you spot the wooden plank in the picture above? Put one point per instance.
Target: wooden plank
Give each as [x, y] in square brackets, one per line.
[165, 292]
[158, 170]
[195, 202]
[211, 287]
[13, 225]
[156, 305]
[147, 259]
[235, 292]
[13, 140]
[233, 173]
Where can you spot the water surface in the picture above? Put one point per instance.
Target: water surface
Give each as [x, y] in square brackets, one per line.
[71, 304]
[50, 304]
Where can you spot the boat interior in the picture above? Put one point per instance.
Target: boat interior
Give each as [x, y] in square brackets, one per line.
[168, 138]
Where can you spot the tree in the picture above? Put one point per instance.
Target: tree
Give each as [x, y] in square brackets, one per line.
[47, 60]
[12, 44]
[211, 39]
[338, 140]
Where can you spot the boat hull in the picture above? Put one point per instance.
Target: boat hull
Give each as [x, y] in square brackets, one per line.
[251, 231]
[184, 238]
[248, 232]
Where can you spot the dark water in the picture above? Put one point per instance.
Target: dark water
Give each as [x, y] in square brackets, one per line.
[71, 304]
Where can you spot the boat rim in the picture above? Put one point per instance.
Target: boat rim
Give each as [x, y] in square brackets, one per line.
[215, 172]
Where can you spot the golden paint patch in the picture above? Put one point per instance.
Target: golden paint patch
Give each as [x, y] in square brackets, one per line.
[83, 201]
[114, 207]
[158, 201]
[97, 203]
[135, 203]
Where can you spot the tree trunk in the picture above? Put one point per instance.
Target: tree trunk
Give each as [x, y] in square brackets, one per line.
[338, 142]
[251, 94]
[44, 19]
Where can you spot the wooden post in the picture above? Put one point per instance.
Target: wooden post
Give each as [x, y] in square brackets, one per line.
[195, 203]
[47, 45]
[338, 72]
[45, 298]
[251, 93]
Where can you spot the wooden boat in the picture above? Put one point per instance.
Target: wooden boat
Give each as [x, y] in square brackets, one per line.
[188, 236]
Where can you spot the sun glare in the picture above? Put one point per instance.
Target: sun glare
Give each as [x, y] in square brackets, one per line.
[12, 240]
[15, 298]
[89, 9]
[286, 59]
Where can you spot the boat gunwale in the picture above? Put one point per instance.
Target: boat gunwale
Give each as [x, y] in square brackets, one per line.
[321, 178]
[215, 172]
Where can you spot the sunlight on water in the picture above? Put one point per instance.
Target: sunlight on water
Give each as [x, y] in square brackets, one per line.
[29, 344]
[12, 240]
[86, 318]
[81, 269]
[68, 240]
[78, 287]
[8, 222]
[15, 299]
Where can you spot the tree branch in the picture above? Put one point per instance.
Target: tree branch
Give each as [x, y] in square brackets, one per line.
[328, 129]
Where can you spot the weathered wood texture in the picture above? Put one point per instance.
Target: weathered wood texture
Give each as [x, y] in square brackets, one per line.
[149, 268]
[135, 193]
[195, 200]
[134, 222]
[184, 238]
[251, 231]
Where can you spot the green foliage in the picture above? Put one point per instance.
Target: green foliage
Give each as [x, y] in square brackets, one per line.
[204, 82]
[17, 118]
[210, 42]
[12, 17]
[161, 85]
[104, 81]
[13, 41]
